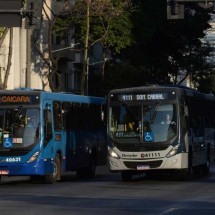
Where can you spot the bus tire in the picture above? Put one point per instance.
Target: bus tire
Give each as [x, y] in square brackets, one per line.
[87, 171]
[35, 178]
[91, 169]
[126, 175]
[80, 173]
[206, 166]
[185, 174]
[56, 175]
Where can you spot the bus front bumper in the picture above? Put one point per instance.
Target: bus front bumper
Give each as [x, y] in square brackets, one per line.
[38, 167]
[177, 162]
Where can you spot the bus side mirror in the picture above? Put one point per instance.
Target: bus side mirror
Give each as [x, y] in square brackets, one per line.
[186, 110]
[46, 123]
[102, 116]
[26, 120]
[103, 113]
[46, 115]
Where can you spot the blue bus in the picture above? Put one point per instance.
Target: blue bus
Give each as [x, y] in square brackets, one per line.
[45, 134]
[154, 129]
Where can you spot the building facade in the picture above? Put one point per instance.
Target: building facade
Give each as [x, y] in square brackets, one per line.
[30, 53]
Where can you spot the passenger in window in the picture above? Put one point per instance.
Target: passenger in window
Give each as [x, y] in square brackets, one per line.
[31, 122]
[146, 126]
[168, 120]
[132, 126]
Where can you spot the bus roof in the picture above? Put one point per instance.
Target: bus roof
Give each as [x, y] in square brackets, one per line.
[187, 90]
[66, 97]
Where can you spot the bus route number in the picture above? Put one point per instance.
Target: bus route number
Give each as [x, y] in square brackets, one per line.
[127, 97]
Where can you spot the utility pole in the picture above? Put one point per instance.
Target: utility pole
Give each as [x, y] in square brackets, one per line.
[86, 47]
[28, 60]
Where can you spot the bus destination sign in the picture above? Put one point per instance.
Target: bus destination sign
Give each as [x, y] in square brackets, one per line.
[146, 96]
[19, 99]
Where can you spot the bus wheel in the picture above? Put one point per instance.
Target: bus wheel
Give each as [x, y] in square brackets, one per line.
[56, 175]
[87, 171]
[185, 174]
[91, 169]
[206, 168]
[35, 178]
[80, 173]
[126, 175]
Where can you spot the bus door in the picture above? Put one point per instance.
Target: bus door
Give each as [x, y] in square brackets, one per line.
[59, 132]
[102, 139]
[54, 137]
[47, 127]
[199, 146]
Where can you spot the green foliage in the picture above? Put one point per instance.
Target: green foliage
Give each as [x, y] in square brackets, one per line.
[119, 34]
[122, 75]
[152, 48]
[1, 31]
[165, 47]
[207, 85]
[110, 23]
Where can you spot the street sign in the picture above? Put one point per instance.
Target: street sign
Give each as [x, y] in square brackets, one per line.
[175, 8]
[10, 13]
[13, 11]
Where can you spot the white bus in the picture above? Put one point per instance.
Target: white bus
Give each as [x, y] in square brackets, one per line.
[160, 128]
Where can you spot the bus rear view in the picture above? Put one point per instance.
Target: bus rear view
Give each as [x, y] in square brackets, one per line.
[148, 131]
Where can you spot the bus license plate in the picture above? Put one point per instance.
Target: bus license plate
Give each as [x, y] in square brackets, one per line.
[4, 172]
[143, 167]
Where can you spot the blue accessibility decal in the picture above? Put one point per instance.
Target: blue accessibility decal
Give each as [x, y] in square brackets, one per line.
[8, 142]
[148, 136]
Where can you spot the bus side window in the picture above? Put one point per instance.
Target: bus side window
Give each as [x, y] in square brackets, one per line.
[47, 126]
[58, 125]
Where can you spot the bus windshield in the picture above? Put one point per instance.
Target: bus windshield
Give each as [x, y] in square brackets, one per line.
[19, 127]
[151, 122]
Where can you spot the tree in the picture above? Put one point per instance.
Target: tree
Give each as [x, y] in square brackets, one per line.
[1, 31]
[4, 76]
[192, 52]
[50, 74]
[104, 22]
[166, 47]
[122, 75]
[207, 84]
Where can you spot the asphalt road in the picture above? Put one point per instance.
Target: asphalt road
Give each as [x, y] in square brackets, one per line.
[107, 194]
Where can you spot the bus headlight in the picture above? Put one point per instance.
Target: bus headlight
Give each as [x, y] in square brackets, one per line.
[112, 153]
[173, 151]
[33, 157]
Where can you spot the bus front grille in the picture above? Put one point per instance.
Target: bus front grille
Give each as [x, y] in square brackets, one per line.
[6, 153]
[151, 164]
[140, 148]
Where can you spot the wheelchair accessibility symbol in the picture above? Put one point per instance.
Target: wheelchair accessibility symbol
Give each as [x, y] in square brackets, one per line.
[148, 136]
[8, 143]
